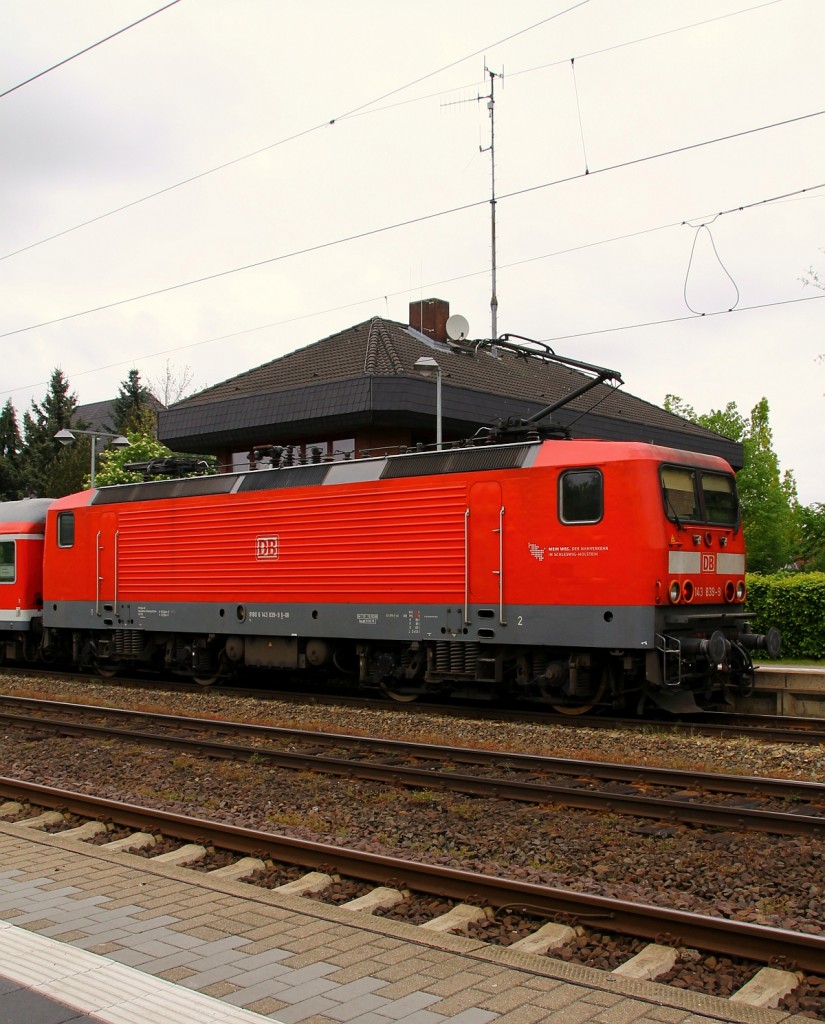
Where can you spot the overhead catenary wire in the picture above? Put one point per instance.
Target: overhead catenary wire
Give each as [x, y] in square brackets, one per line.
[306, 316]
[363, 108]
[368, 108]
[579, 112]
[756, 204]
[407, 223]
[87, 49]
[699, 229]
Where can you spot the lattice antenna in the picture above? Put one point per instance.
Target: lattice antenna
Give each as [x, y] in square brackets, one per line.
[491, 149]
[491, 107]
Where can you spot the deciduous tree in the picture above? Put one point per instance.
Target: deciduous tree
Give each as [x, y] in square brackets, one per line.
[767, 496]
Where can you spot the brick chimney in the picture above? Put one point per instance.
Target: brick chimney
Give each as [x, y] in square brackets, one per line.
[429, 316]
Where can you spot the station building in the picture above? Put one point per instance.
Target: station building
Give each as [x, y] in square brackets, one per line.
[359, 391]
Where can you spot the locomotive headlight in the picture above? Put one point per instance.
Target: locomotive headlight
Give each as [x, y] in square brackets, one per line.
[674, 591]
[741, 590]
[687, 592]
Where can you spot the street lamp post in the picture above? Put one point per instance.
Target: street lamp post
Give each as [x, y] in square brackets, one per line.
[67, 437]
[426, 364]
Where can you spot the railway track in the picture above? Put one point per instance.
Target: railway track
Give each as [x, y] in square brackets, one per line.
[734, 938]
[666, 795]
[770, 728]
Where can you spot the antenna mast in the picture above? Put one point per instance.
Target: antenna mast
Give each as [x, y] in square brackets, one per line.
[491, 106]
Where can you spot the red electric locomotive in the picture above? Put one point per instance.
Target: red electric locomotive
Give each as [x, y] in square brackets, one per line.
[579, 573]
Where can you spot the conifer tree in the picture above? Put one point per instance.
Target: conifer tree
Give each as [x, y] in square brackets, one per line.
[11, 445]
[47, 469]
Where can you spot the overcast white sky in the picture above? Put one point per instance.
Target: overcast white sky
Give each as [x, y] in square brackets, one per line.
[597, 264]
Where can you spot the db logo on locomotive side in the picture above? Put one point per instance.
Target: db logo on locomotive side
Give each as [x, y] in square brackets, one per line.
[266, 547]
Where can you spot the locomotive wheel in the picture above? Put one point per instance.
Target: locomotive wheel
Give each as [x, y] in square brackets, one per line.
[107, 669]
[590, 703]
[209, 669]
[397, 695]
[203, 680]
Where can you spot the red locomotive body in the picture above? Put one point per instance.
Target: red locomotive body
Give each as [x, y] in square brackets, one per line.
[580, 573]
[22, 528]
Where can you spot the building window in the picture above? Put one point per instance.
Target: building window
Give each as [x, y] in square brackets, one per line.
[7, 562]
[65, 529]
[581, 497]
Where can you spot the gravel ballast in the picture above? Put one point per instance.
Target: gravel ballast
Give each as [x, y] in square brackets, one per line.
[768, 880]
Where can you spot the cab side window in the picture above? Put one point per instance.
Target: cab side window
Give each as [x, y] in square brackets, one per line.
[581, 496]
[7, 561]
[65, 529]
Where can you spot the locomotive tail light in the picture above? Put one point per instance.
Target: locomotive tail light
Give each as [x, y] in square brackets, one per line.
[730, 591]
[741, 591]
[674, 591]
[687, 591]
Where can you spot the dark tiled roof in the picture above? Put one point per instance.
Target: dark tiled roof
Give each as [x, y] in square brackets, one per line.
[100, 415]
[366, 368]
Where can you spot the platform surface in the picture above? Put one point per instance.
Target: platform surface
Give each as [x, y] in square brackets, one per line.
[127, 940]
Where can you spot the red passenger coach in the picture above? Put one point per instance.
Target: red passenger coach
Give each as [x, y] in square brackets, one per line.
[22, 527]
[578, 573]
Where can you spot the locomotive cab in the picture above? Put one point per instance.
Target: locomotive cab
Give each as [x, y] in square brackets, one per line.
[703, 630]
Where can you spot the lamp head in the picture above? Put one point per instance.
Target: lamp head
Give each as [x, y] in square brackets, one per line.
[120, 442]
[427, 365]
[65, 436]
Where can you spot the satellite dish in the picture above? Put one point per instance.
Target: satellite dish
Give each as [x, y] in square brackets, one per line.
[457, 327]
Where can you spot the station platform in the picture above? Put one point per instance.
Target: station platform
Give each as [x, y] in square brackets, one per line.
[797, 691]
[114, 937]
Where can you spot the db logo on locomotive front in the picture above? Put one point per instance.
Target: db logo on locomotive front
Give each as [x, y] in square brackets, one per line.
[708, 562]
[266, 547]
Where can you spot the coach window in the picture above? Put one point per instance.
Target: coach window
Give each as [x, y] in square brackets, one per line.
[7, 567]
[581, 498]
[65, 529]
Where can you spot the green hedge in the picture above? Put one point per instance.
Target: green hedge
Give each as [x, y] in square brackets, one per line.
[795, 604]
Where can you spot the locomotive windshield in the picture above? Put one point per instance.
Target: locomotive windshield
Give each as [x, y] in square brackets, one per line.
[697, 496]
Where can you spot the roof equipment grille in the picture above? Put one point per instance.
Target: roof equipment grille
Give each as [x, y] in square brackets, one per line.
[292, 476]
[459, 460]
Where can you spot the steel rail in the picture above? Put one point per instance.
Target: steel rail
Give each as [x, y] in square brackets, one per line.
[780, 728]
[721, 935]
[634, 804]
[746, 785]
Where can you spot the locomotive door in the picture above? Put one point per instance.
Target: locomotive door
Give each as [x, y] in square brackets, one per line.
[485, 547]
[106, 564]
